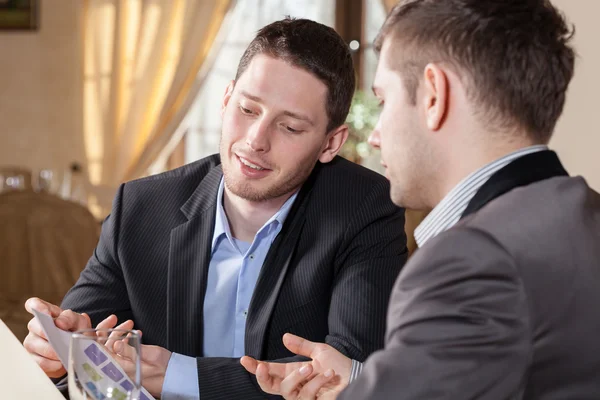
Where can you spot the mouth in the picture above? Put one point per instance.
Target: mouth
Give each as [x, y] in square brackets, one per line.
[251, 164]
[383, 164]
[252, 169]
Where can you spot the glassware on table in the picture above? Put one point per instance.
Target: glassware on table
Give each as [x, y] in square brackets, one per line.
[96, 371]
[14, 182]
[44, 183]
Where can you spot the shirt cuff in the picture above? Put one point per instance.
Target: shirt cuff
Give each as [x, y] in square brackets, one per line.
[355, 370]
[181, 379]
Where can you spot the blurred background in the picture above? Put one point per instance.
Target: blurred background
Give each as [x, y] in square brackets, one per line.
[97, 92]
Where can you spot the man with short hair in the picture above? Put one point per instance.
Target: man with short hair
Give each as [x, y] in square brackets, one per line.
[499, 300]
[277, 234]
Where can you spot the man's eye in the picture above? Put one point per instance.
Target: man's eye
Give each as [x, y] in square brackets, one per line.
[291, 130]
[245, 110]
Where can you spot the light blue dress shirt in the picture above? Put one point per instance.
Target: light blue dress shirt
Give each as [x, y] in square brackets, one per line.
[232, 275]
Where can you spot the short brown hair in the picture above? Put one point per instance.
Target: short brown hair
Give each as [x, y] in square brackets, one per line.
[513, 55]
[316, 48]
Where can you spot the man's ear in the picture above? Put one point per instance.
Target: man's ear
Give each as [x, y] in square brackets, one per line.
[436, 96]
[227, 96]
[333, 144]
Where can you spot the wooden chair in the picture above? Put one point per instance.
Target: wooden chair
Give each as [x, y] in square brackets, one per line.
[45, 243]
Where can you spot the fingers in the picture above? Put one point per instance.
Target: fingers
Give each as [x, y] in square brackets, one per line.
[126, 358]
[42, 306]
[266, 382]
[250, 364]
[44, 355]
[69, 320]
[37, 345]
[291, 385]
[301, 385]
[311, 389]
[116, 335]
[126, 326]
[108, 322]
[35, 327]
[53, 369]
[298, 345]
[124, 350]
[120, 346]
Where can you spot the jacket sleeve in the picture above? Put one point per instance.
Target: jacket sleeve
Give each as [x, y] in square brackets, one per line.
[100, 289]
[458, 326]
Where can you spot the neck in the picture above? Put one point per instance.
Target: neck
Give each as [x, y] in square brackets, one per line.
[247, 217]
[468, 159]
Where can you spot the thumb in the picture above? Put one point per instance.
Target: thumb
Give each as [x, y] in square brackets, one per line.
[69, 320]
[42, 306]
[298, 345]
[249, 363]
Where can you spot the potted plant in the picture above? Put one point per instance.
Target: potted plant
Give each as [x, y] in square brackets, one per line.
[361, 120]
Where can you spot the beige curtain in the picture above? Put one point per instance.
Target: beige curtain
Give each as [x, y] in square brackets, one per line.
[389, 4]
[144, 61]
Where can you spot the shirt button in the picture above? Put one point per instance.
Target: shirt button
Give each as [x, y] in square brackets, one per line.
[252, 256]
[246, 313]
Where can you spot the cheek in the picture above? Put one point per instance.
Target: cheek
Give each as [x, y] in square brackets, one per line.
[389, 132]
[395, 147]
[292, 153]
[234, 126]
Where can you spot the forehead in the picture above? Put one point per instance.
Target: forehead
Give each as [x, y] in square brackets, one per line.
[281, 83]
[385, 74]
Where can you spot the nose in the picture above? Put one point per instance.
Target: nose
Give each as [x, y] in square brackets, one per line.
[375, 136]
[258, 136]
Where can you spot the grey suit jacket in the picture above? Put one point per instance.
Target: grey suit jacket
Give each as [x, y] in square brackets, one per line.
[505, 304]
[327, 276]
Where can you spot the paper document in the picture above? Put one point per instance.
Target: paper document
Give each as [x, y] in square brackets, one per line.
[20, 376]
[59, 339]
[100, 364]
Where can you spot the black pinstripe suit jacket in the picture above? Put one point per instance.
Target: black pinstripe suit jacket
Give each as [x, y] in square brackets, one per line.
[327, 277]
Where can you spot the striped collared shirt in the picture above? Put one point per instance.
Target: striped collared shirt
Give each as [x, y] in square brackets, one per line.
[449, 210]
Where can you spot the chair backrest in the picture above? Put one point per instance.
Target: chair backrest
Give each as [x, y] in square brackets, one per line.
[45, 243]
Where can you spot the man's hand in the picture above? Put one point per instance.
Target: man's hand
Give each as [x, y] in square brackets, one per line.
[36, 342]
[154, 361]
[303, 380]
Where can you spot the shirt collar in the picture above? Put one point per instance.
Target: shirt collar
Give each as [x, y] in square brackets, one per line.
[448, 212]
[222, 223]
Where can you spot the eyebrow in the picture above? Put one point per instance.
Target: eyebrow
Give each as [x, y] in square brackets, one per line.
[294, 115]
[251, 97]
[299, 116]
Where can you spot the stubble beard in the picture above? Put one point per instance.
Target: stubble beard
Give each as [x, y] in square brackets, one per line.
[247, 190]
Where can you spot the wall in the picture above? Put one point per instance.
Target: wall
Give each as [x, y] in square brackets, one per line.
[577, 137]
[41, 90]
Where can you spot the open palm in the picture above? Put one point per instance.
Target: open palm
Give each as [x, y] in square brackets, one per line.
[289, 379]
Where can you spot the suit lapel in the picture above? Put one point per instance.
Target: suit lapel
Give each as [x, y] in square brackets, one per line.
[523, 171]
[189, 259]
[274, 271]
